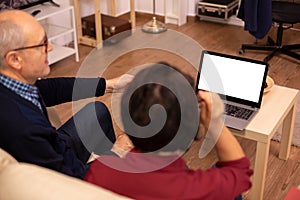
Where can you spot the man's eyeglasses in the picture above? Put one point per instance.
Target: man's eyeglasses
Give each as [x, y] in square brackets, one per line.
[45, 44]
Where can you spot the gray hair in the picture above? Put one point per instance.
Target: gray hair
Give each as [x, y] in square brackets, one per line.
[11, 37]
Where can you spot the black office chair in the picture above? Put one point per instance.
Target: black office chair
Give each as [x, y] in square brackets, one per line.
[282, 13]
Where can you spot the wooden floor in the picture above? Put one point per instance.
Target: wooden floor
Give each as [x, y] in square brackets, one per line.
[281, 175]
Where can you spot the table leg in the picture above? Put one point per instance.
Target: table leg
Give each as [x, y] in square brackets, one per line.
[77, 12]
[261, 161]
[287, 133]
[98, 24]
[132, 14]
[113, 7]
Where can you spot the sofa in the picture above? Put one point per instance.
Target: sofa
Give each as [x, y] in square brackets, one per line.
[23, 181]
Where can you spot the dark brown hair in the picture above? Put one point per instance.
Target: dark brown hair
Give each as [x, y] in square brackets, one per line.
[153, 86]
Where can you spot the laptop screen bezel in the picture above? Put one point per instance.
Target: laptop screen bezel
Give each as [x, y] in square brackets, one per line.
[230, 98]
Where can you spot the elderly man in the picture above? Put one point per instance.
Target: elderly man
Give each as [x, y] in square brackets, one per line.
[26, 132]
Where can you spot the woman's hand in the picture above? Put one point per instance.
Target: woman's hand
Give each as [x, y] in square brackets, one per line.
[212, 108]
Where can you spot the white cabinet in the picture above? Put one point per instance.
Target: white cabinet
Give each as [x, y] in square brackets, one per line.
[176, 12]
[53, 19]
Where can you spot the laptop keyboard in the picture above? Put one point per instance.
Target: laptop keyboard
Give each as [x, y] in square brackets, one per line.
[242, 113]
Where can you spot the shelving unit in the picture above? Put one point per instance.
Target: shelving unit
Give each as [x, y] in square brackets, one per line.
[176, 12]
[55, 31]
[97, 42]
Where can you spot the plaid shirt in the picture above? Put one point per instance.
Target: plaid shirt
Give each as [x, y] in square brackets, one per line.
[28, 92]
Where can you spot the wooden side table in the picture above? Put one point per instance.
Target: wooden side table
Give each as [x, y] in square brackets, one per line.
[97, 42]
[278, 107]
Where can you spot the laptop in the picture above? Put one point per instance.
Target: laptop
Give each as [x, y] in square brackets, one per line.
[239, 81]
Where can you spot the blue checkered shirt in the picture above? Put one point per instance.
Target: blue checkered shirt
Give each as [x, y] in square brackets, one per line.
[28, 92]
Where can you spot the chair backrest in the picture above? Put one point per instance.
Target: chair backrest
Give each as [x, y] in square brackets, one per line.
[286, 11]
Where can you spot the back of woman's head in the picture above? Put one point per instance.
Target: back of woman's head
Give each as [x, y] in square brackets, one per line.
[160, 110]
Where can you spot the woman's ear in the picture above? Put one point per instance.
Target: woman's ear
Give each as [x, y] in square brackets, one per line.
[13, 59]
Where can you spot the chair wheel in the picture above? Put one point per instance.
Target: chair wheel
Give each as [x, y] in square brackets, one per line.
[241, 51]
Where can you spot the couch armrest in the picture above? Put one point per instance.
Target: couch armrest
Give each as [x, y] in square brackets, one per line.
[31, 182]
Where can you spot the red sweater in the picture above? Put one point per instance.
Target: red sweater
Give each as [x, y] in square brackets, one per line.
[145, 176]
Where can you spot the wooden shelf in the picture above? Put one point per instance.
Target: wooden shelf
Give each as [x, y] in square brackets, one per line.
[56, 31]
[97, 42]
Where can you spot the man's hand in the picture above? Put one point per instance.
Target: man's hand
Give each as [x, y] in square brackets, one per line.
[118, 84]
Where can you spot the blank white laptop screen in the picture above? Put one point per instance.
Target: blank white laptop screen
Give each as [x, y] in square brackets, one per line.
[231, 77]
[239, 81]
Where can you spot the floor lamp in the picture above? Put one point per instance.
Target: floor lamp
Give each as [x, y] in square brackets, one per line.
[154, 26]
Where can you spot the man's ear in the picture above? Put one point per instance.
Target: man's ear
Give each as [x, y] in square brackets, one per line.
[13, 59]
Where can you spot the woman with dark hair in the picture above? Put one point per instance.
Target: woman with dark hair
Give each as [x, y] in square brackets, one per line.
[160, 114]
